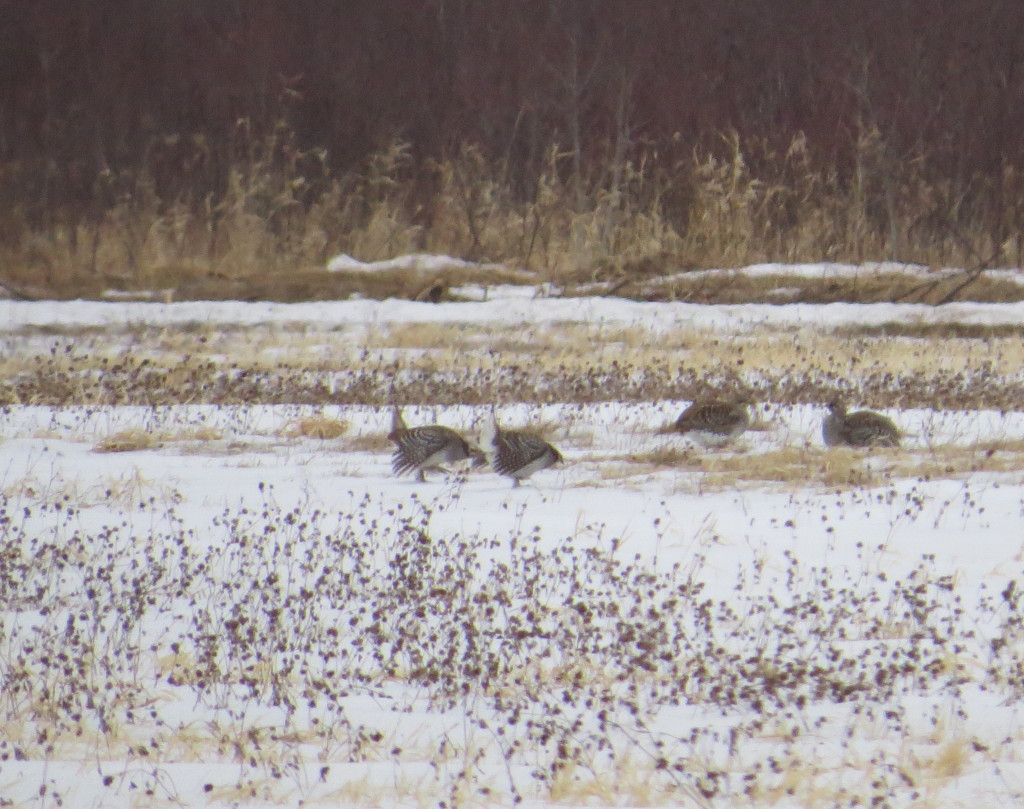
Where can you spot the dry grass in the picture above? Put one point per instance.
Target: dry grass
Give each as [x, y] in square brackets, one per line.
[794, 465]
[628, 782]
[368, 442]
[573, 362]
[320, 427]
[737, 287]
[287, 285]
[708, 354]
[788, 465]
[951, 759]
[199, 435]
[133, 440]
[138, 440]
[666, 456]
[270, 233]
[937, 331]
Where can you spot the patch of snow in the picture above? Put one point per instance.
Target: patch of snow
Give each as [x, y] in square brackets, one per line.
[165, 295]
[422, 262]
[505, 305]
[478, 293]
[826, 270]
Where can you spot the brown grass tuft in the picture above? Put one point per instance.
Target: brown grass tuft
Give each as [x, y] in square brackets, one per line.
[951, 759]
[732, 287]
[370, 442]
[319, 427]
[133, 440]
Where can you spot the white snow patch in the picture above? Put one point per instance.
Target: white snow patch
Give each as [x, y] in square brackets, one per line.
[423, 262]
[506, 306]
[827, 270]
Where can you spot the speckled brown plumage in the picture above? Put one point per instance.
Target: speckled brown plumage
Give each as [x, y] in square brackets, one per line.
[713, 422]
[424, 448]
[863, 428]
[517, 454]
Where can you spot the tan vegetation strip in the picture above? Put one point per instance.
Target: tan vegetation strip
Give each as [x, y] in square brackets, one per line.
[136, 439]
[445, 363]
[432, 345]
[834, 468]
[731, 287]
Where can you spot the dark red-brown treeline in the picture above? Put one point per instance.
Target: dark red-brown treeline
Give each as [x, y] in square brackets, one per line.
[93, 88]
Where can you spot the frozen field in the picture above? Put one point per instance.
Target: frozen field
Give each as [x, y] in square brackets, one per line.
[239, 604]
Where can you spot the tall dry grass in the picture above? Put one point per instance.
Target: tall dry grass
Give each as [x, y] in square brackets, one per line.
[283, 213]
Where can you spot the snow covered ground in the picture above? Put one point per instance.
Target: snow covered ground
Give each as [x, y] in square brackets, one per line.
[237, 613]
[505, 306]
[419, 262]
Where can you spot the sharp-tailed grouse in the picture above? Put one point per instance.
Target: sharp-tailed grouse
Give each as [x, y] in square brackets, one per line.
[517, 454]
[424, 448]
[864, 428]
[713, 422]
